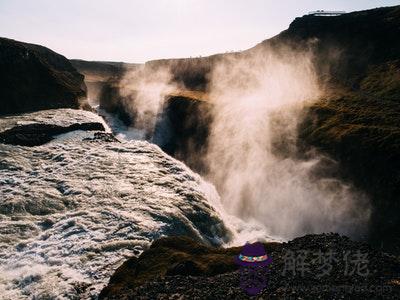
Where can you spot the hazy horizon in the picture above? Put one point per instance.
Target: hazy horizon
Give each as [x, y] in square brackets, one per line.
[138, 31]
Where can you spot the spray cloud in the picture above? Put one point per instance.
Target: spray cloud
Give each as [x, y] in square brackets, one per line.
[257, 104]
[143, 92]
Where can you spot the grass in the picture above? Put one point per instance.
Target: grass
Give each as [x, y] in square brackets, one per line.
[174, 256]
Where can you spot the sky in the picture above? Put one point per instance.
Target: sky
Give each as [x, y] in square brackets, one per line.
[142, 30]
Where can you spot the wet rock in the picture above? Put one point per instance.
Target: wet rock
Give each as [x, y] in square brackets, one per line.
[103, 137]
[39, 134]
[183, 128]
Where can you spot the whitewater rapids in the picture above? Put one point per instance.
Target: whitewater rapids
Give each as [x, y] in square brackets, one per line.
[73, 209]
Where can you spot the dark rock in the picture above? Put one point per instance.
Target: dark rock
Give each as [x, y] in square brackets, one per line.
[113, 102]
[170, 255]
[33, 78]
[183, 128]
[103, 136]
[167, 269]
[39, 134]
[363, 134]
[186, 267]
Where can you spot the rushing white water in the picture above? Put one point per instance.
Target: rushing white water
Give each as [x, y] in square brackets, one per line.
[72, 210]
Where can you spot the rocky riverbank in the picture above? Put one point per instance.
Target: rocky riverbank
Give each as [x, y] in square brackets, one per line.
[323, 266]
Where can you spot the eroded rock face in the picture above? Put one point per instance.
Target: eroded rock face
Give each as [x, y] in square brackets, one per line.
[111, 100]
[183, 129]
[33, 77]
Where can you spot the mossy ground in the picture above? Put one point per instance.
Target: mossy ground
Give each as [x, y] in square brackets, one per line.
[182, 268]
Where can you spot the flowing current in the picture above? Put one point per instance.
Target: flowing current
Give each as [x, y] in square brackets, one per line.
[73, 209]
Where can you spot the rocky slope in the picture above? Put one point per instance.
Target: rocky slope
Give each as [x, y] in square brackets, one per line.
[356, 121]
[179, 268]
[34, 77]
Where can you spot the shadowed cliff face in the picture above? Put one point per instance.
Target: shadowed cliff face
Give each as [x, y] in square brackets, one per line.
[111, 100]
[33, 78]
[181, 125]
[183, 129]
[357, 119]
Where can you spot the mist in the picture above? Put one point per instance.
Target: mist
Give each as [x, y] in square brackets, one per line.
[258, 102]
[143, 94]
[264, 180]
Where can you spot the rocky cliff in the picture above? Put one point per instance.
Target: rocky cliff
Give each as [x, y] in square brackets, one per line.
[34, 77]
[357, 119]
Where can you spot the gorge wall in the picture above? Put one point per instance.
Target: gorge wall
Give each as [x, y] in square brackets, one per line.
[354, 118]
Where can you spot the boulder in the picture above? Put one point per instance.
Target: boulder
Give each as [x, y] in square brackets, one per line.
[33, 77]
[39, 134]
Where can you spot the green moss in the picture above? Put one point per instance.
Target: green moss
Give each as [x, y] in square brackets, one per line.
[362, 132]
[175, 256]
